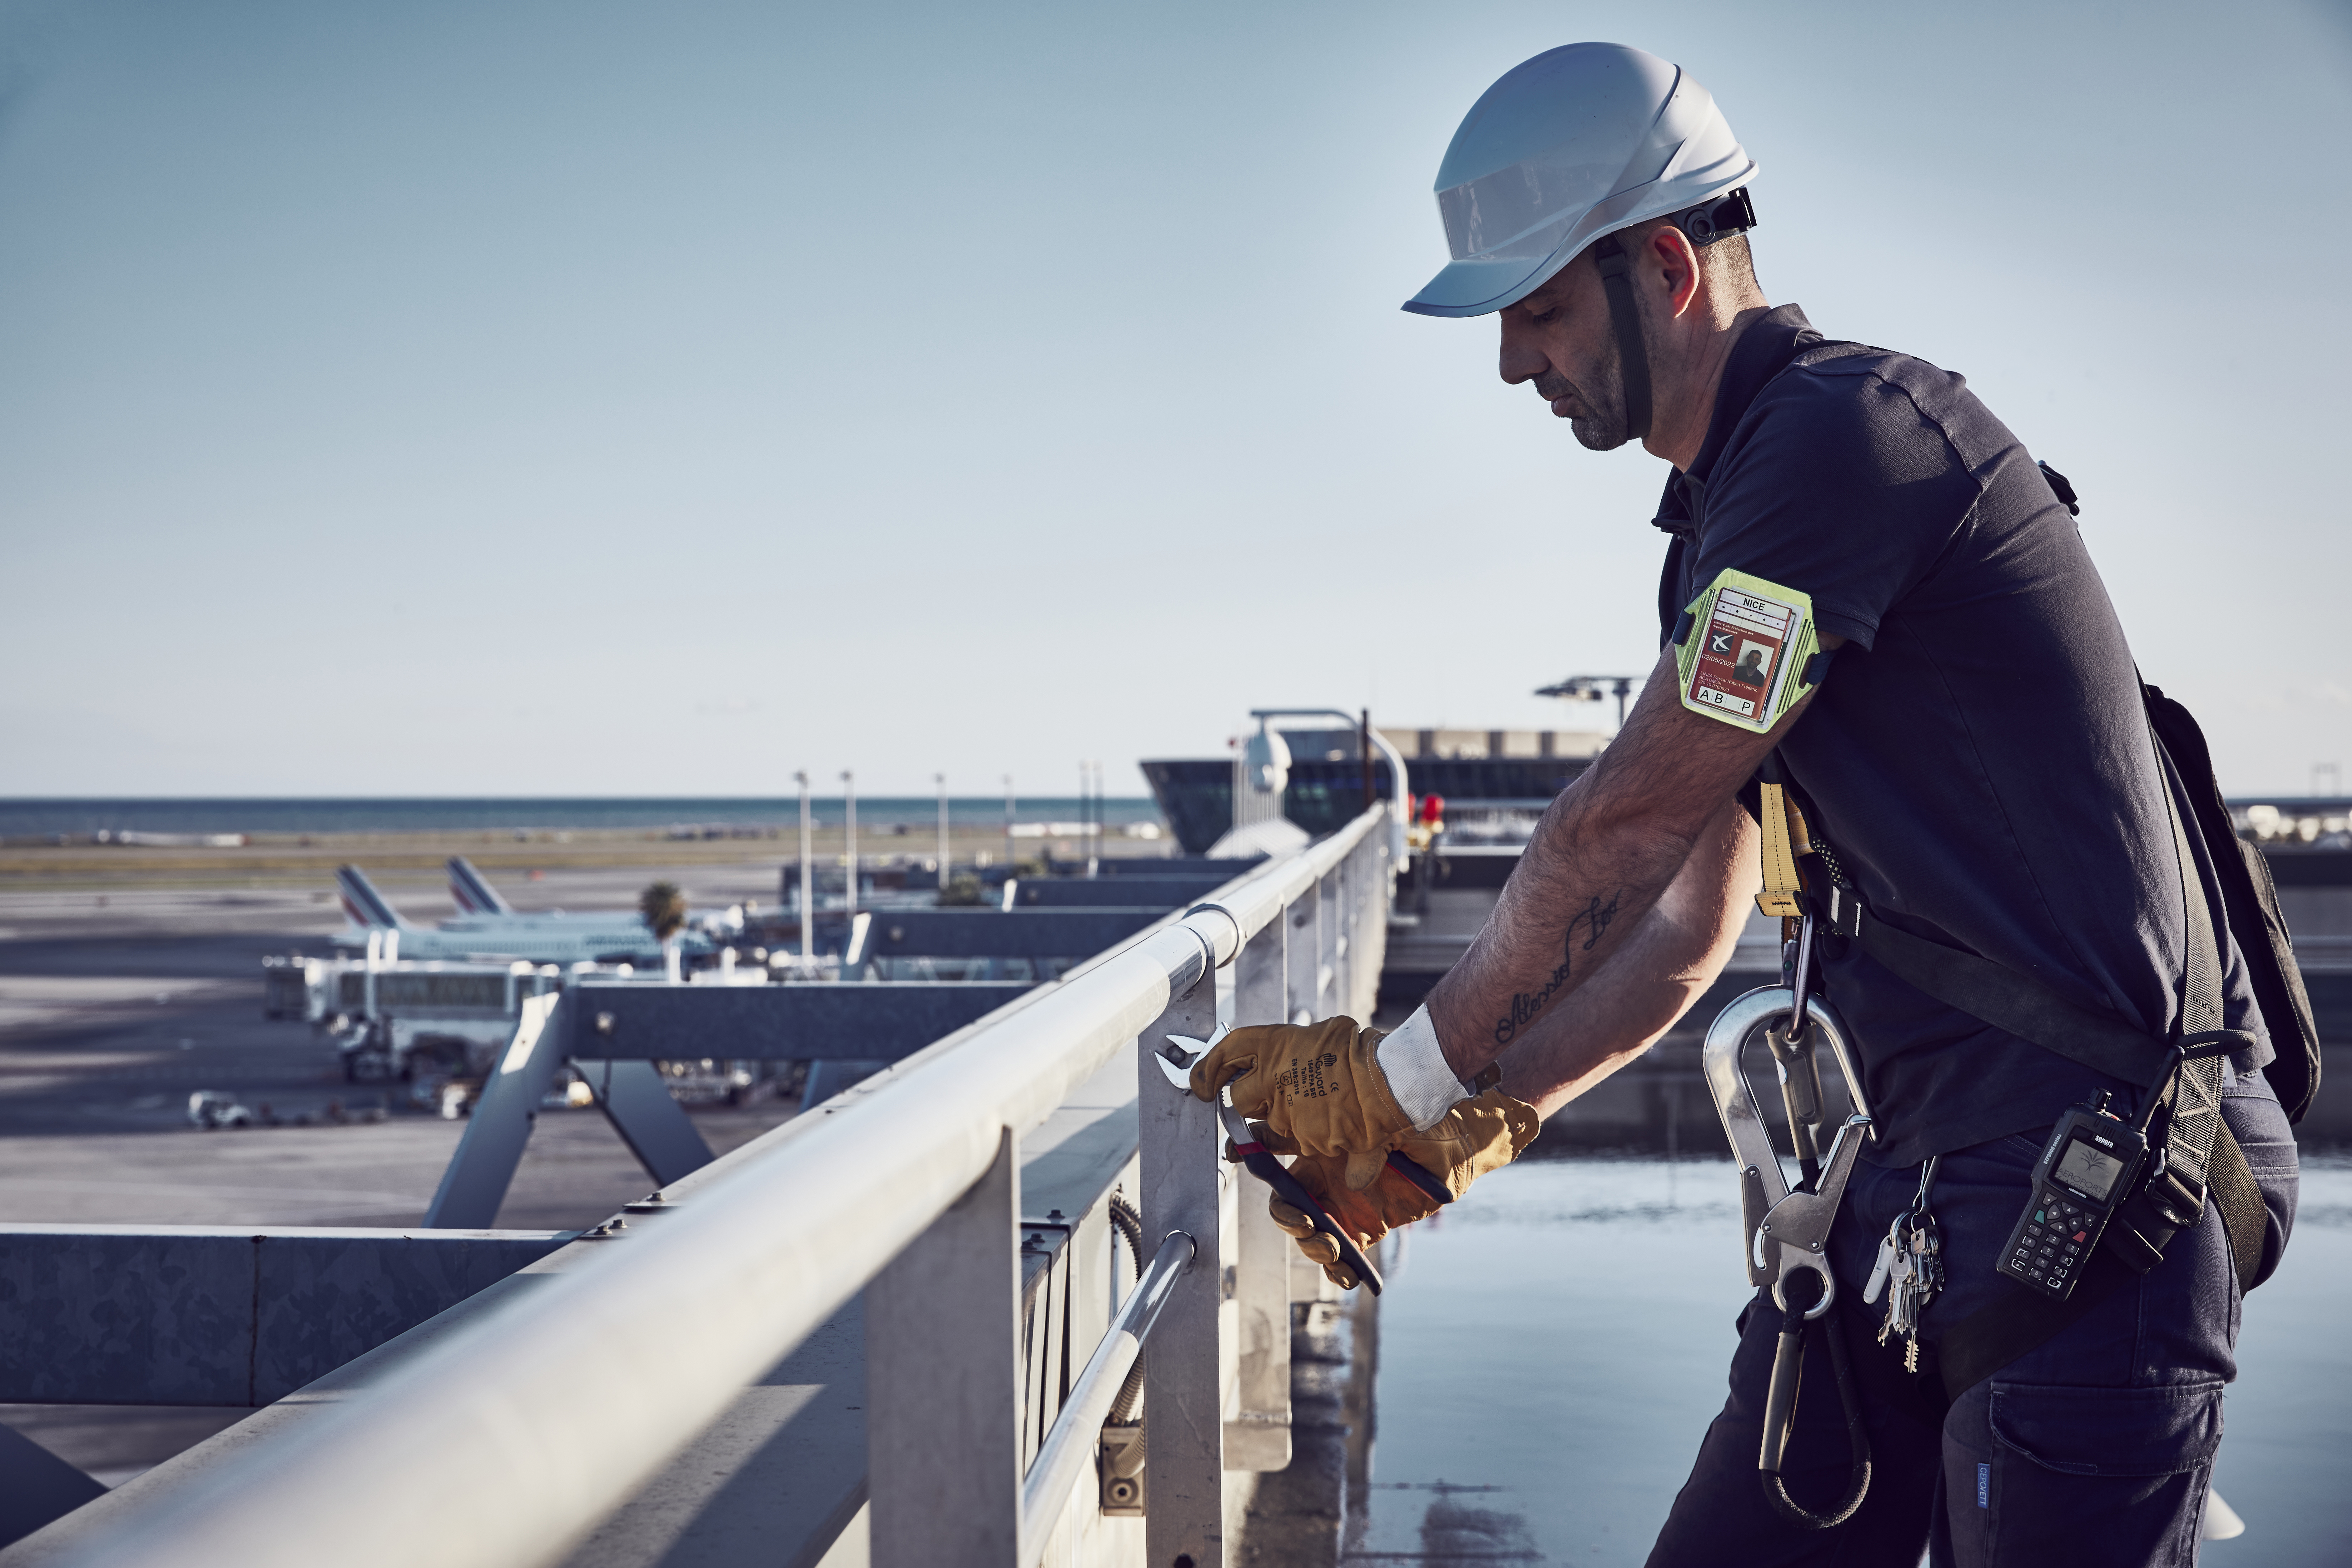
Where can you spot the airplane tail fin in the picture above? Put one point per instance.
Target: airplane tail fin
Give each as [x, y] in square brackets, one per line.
[472, 892]
[364, 904]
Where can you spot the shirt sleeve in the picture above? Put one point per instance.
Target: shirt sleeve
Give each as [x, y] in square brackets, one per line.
[1839, 487]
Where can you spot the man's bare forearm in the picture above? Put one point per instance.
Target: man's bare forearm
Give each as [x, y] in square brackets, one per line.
[1599, 859]
[1666, 962]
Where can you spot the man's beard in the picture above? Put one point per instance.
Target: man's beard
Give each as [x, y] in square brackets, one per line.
[1602, 427]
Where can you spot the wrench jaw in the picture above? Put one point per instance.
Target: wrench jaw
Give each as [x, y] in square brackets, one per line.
[1176, 1059]
[1177, 1056]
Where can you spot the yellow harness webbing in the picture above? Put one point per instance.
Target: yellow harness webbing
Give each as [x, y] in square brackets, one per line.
[1785, 839]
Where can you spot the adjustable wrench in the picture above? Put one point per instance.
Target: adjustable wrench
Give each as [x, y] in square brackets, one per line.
[1176, 1059]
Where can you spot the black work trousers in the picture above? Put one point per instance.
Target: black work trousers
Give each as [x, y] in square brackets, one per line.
[2094, 1450]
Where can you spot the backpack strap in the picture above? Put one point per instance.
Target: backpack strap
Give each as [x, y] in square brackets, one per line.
[2250, 901]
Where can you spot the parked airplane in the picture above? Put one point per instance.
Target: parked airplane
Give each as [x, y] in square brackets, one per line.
[472, 891]
[490, 927]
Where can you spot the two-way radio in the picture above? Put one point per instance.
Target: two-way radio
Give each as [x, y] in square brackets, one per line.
[2089, 1167]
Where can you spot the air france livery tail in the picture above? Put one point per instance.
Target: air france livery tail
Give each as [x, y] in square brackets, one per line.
[364, 904]
[472, 893]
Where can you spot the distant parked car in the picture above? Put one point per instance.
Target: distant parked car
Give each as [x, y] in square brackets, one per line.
[208, 1108]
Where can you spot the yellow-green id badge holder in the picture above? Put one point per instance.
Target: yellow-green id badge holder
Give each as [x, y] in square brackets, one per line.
[1744, 650]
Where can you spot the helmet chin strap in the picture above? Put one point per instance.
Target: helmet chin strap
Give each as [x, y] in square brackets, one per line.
[1617, 278]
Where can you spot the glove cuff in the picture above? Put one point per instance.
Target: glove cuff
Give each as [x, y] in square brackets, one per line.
[1423, 1084]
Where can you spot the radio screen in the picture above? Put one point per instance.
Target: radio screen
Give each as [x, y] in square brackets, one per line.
[2088, 1169]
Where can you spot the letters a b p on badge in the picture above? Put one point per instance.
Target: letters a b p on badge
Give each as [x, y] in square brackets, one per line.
[1743, 660]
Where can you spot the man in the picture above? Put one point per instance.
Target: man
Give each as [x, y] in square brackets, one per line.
[1970, 738]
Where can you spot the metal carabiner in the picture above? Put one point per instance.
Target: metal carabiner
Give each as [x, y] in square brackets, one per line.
[1785, 1230]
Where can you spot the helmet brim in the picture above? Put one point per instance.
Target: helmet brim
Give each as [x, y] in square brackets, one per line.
[1480, 288]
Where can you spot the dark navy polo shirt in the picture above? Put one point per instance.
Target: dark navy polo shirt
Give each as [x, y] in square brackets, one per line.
[1978, 756]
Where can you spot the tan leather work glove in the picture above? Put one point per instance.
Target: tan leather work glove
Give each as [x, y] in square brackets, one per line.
[1478, 1135]
[1319, 1086]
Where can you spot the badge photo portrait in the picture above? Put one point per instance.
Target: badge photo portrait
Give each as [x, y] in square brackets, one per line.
[1755, 664]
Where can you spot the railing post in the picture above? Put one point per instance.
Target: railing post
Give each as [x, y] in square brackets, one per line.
[1329, 912]
[1257, 1434]
[1183, 1177]
[1369, 941]
[943, 1387]
[1345, 884]
[476, 1183]
[1301, 945]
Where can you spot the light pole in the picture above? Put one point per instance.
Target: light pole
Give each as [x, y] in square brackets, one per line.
[1008, 825]
[1590, 689]
[808, 910]
[942, 778]
[849, 792]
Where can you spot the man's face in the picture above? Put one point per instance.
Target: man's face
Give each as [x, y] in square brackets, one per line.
[1560, 338]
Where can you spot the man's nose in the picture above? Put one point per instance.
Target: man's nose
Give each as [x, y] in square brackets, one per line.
[1521, 360]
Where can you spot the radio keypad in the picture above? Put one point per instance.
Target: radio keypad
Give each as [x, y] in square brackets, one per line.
[2052, 1243]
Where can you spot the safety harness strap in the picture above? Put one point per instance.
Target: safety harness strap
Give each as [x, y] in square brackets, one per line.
[1781, 883]
[2201, 1157]
[1634, 359]
[2013, 1002]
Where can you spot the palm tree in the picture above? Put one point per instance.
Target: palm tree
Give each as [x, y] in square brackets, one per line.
[664, 907]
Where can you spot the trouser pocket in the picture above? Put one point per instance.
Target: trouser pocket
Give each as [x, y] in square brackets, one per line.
[2088, 1475]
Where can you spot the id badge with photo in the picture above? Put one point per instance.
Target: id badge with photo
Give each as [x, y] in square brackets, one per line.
[1743, 658]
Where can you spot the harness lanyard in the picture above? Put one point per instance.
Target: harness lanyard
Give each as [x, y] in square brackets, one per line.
[1785, 839]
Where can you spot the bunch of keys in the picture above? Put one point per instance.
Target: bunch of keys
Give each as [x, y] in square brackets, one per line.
[1910, 1270]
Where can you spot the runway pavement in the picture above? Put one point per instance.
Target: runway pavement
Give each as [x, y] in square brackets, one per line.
[112, 1013]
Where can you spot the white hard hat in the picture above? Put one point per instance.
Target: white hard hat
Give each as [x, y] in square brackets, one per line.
[1575, 144]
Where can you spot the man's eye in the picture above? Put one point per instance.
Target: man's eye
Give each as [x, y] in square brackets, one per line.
[1545, 318]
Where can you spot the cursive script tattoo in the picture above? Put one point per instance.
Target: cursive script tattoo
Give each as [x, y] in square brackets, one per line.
[1589, 922]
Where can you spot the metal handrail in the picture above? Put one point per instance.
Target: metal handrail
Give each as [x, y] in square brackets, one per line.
[1071, 1444]
[530, 1423]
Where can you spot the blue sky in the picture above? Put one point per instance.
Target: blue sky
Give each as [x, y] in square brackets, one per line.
[598, 398]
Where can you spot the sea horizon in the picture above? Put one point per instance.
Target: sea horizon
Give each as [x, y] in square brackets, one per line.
[28, 816]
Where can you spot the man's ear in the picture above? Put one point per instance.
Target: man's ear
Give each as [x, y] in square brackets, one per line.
[1678, 262]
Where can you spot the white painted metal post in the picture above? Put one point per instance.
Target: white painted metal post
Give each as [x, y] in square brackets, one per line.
[849, 798]
[808, 904]
[1183, 1177]
[1301, 948]
[942, 778]
[1329, 912]
[1361, 878]
[1257, 1430]
[943, 1386]
[1343, 943]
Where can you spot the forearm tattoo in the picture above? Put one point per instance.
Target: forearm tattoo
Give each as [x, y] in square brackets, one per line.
[1587, 923]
